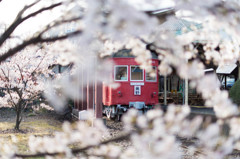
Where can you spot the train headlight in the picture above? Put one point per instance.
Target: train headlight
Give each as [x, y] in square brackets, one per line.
[119, 93]
[154, 94]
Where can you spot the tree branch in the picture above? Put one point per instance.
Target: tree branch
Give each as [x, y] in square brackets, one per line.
[21, 74]
[38, 64]
[41, 10]
[76, 151]
[15, 23]
[19, 19]
[59, 37]
[25, 8]
[35, 40]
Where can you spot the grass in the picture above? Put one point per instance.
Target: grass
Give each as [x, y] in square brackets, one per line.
[6, 125]
[32, 126]
[41, 126]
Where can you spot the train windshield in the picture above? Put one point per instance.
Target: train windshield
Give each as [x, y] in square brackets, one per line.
[136, 73]
[121, 73]
[152, 76]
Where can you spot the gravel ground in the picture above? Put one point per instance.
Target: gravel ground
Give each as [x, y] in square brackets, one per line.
[116, 128]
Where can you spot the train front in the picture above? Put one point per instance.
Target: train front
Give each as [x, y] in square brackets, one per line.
[137, 88]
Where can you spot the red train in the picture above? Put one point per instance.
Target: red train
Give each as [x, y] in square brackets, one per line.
[137, 88]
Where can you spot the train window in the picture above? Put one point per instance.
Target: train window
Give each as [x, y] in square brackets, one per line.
[121, 73]
[152, 76]
[136, 73]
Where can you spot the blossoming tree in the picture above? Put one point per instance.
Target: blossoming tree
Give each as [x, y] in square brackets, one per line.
[102, 27]
[22, 78]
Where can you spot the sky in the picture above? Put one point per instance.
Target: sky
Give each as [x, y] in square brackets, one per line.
[154, 5]
[9, 10]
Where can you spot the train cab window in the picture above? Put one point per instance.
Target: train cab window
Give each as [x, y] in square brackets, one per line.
[121, 73]
[152, 76]
[136, 73]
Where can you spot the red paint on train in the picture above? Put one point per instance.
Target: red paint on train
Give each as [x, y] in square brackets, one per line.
[134, 86]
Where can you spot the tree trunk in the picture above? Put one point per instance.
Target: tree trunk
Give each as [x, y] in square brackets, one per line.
[18, 117]
[17, 121]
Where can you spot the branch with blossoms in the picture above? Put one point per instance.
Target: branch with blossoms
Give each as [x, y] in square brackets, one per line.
[77, 150]
[38, 37]
[19, 19]
[18, 102]
[33, 41]
[21, 80]
[158, 140]
[151, 133]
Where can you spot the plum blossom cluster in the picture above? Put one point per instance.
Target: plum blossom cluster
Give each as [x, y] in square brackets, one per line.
[82, 134]
[26, 76]
[23, 77]
[7, 150]
[215, 98]
[154, 135]
[143, 56]
[159, 134]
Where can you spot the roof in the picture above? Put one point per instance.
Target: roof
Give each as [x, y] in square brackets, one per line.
[176, 25]
[226, 69]
[144, 5]
[126, 53]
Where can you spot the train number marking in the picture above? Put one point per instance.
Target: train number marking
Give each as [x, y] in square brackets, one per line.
[137, 84]
[137, 90]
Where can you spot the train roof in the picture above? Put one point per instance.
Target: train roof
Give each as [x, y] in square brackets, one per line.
[126, 53]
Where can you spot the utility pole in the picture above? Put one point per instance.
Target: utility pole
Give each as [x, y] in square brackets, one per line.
[186, 91]
[165, 90]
